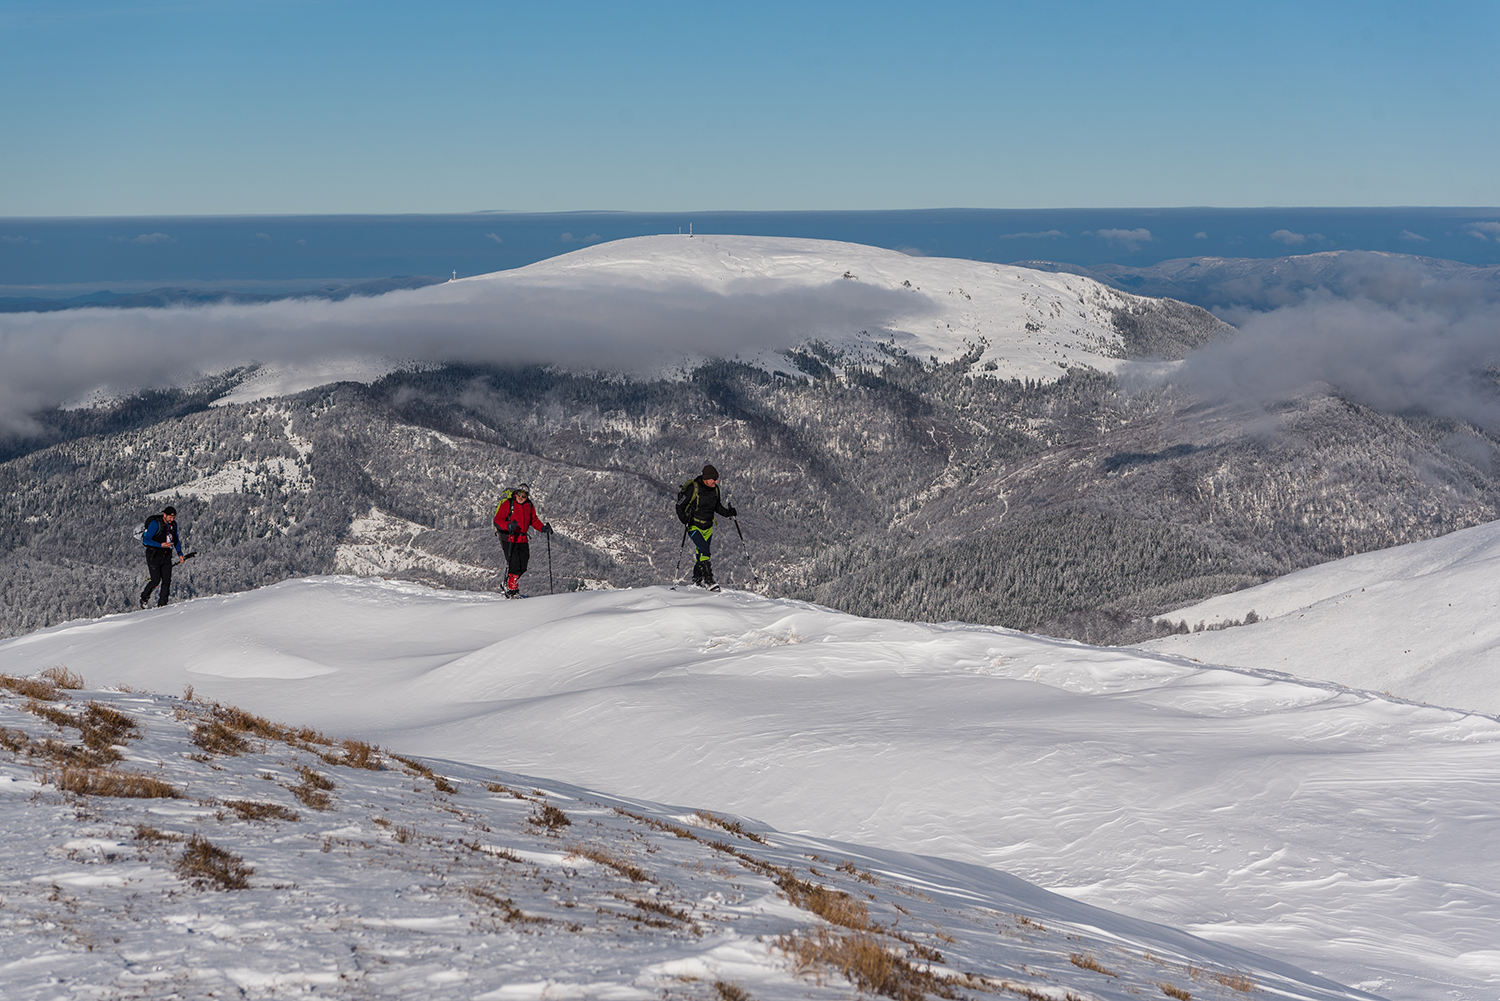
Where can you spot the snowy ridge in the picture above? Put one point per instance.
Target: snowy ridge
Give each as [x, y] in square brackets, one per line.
[1034, 324]
[277, 861]
[1240, 806]
[1419, 621]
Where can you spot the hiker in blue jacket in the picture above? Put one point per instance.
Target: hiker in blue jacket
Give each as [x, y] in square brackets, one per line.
[160, 538]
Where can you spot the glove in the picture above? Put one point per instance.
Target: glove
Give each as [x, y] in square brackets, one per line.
[732, 512]
[512, 528]
[547, 529]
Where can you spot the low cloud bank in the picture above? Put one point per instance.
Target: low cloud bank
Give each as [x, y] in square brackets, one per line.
[46, 358]
[1394, 335]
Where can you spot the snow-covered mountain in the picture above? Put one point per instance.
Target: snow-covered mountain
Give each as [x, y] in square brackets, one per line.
[1417, 621]
[1339, 830]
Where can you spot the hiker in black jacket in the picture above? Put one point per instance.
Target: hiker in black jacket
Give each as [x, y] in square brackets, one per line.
[697, 503]
[160, 538]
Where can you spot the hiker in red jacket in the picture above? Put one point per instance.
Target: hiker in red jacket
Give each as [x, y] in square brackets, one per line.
[514, 518]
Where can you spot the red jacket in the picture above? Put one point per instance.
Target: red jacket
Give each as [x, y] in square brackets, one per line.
[523, 513]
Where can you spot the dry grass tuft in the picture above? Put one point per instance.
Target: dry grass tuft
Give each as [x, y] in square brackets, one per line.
[13, 740]
[1175, 992]
[1026, 922]
[216, 738]
[858, 873]
[313, 790]
[1086, 962]
[144, 832]
[1236, 981]
[204, 864]
[868, 963]
[725, 824]
[32, 688]
[356, 754]
[63, 678]
[507, 907]
[632, 872]
[834, 906]
[249, 809]
[730, 991]
[413, 765]
[56, 717]
[504, 790]
[104, 727]
[550, 817]
[87, 781]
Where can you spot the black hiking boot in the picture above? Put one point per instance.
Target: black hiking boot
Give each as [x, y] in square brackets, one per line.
[707, 576]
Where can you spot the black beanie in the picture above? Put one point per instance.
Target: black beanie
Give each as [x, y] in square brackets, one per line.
[710, 473]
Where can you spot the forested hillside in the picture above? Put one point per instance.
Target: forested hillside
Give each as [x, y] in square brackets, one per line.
[911, 489]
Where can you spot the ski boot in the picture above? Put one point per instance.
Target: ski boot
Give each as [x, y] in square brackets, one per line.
[703, 576]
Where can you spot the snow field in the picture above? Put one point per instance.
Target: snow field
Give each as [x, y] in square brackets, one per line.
[1339, 830]
[1417, 621]
[343, 871]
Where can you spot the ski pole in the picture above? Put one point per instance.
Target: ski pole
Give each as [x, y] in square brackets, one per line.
[677, 574]
[748, 562]
[551, 588]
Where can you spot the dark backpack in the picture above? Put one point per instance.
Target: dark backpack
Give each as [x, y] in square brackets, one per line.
[687, 500]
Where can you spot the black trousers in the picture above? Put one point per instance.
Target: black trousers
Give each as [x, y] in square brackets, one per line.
[517, 555]
[159, 564]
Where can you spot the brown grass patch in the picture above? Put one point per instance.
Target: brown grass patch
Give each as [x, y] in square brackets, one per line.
[103, 727]
[32, 688]
[834, 906]
[504, 790]
[313, 790]
[656, 907]
[857, 873]
[13, 740]
[868, 963]
[145, 832]
[63, 678]
[216, 738]
[56, 717]
[413, 765]
[204, 864]
[1236, 981]
[732, 826]
[249, 809]
[108, 782]
[632, 872]
[1086, 962]
[1175, 992]
[730, 991]
[550, 817]
[507, 908]
[356, 754]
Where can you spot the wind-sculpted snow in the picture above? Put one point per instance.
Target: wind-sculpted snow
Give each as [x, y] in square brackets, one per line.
[1339, 830]
[1418, 621]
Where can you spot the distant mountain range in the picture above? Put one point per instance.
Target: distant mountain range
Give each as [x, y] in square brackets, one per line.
[957, 465]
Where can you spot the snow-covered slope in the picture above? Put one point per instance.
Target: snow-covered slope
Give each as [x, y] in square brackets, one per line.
[1344, 832]
[287, 865]
[1035, 324]
[1419, 621]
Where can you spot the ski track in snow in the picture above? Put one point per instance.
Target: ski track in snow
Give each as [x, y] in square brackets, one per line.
[1342, 831]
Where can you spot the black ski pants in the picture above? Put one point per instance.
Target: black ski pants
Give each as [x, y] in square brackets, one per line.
[517, 555]
[159, 564]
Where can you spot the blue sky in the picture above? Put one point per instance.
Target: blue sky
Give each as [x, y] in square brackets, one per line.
[332, 106]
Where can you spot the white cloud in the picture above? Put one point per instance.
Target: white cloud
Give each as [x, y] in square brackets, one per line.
[1200, 235]
[493, 236]
[145, 239]
[1484, 230]
[1407, 234]
[570, 238]
[46, 358]
[1050, 234]
[1289, 238]
[18, 239]
[263, 236]
[1130, 239]
[911, 251]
